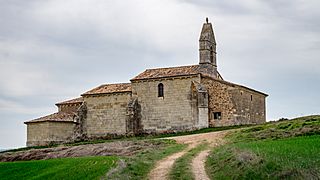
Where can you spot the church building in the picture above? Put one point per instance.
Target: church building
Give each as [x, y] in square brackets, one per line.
[162, 100]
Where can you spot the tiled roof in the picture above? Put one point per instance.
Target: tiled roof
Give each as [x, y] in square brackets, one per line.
[238, 85]
[110, 88]
[168, 72]
[55, 117]
[71, 101]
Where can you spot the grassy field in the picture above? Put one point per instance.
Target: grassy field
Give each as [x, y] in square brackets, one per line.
[281, 150]
[304, 126]
[66, 168]
[134, 167]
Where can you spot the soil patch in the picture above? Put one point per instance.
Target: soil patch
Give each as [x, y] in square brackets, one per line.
[119, 148]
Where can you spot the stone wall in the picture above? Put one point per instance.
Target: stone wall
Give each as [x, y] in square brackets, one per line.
[133, 120]
[37, 134]
[44, 133]
[250, 106]
[234, 103]
[61, 131]
[176, 111]
[200, 97]
[106, 114]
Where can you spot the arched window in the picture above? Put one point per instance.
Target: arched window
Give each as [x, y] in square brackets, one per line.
[160, 90]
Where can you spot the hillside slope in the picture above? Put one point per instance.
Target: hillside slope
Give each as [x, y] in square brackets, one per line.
[277, 150]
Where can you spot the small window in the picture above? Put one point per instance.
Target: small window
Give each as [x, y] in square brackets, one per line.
[160, 90]
[217, 115]
[211, 54]
[251, 97]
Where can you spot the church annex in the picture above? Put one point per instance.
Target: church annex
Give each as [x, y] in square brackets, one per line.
[159, 100]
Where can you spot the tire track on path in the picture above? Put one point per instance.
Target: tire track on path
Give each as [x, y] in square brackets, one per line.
[163, 167]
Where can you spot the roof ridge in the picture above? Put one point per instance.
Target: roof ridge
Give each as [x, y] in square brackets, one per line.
[109, 88]
[168, 72]
[115, 84]
[174, 67]
[231, 83]
[52, 117]
[71, 101]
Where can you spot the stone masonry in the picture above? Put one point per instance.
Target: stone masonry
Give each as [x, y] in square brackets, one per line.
[106, 114]
[237, 104]
[160, 114]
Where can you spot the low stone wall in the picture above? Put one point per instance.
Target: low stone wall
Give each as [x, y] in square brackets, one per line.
[45, 133]
[37, 134]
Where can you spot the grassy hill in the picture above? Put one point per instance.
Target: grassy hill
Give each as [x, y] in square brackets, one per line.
[278, 150]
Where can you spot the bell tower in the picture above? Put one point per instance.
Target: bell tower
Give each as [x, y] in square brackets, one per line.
[207, 51]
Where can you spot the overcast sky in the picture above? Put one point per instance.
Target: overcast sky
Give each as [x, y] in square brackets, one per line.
[55, 50]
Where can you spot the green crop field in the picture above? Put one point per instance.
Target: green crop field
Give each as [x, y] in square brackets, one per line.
[136, 166]
[65, 168]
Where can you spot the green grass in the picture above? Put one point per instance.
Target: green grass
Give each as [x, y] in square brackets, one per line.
[277, 150]
[137, 166]
[65, 168]
[140, 165]
[293, 153]
[292, 158]
[182, 167]
[309, 125]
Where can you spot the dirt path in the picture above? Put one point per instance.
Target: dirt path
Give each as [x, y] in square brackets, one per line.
[162, 168]
[198, 168]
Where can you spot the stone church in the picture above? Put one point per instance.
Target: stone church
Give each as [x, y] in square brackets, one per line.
[161, 100]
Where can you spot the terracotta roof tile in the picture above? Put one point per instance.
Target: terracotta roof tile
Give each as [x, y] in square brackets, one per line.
[110, 88]
[168, 72]
[71, 101]
[55, 117]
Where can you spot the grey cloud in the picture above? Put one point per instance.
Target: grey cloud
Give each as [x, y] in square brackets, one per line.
[54, 50]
